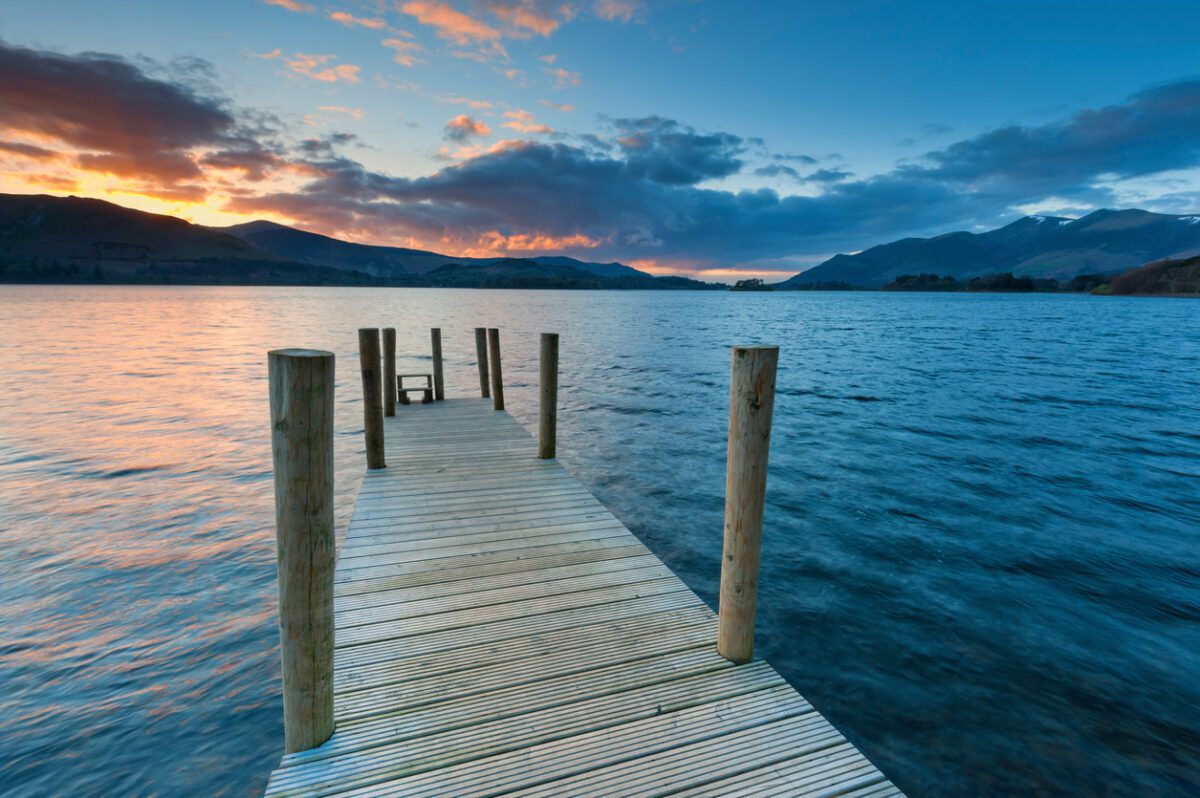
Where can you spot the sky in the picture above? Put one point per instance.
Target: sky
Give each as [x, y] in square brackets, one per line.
[715, 139]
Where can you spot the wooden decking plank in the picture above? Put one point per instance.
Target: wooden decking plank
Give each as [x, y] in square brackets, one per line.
[397, 758]
[538, 764]
[501, 633]
[451, 570]
[674, 624]
[446, 639]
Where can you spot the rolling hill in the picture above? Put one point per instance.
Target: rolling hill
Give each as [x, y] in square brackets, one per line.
[380, 261]
[1104, 242]
[47, 239]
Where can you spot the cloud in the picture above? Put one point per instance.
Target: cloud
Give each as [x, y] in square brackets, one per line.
[563, 78]
[314, 67]
[450, 24]
[623, 10]
[777, 170]
[354, 113]
[793, 157]
[351, 21]
[640, 191]
[406, 50]
[524, 122]
[118, 119]
[28, 151]
[462, 127]
[291, 5]
[548, 59]
[523, 17]
[1153, 131]
[827, 176]
[664, 151]
[643, 199]
[566, 108]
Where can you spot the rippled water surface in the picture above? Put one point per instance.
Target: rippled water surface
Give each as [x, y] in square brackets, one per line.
[981, 558]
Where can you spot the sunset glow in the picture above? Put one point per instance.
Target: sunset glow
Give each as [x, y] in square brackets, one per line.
[505, 127]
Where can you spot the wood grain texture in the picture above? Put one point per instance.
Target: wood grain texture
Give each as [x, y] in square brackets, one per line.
[389, 371]
[493, 336]
[548, 397]
[301, 396]
[372, 388]
[481, 358]
[751, 404]
[500, 633]
[439, 382]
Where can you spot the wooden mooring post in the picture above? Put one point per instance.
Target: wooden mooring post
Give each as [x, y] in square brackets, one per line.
[481, 355]
[548, 397]
[439, 386]
[493, 335]
[751, 403]
[301, 397]
[368, 358]
[389, 371]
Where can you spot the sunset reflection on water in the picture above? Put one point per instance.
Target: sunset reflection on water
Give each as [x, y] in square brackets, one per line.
[977, 545]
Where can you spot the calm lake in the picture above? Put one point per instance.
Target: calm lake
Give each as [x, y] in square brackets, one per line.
[982, 539]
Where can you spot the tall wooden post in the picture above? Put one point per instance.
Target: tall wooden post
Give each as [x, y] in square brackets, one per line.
[368, 359]
[751, 403]
[389, 371]
[493, 335]
[301, 391]
[439, 386]
[548, 397]
[481, 355]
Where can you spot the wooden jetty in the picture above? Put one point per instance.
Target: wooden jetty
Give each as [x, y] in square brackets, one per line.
[490, 629]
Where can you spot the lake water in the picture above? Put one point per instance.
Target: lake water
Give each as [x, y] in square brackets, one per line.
[982, 539]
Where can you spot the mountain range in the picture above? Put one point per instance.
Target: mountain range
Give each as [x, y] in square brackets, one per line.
[73, 239]
[1105, 242]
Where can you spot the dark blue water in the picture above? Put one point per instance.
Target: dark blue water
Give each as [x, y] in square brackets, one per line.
[982, 547]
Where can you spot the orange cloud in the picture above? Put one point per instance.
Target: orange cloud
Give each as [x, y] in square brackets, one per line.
[354, 113]
[463, 127]
[493, 244]
[290, 5]
[450, 24]
[313, 66]
[563, 78]
[623, 10]
[451, 99]
[405, 50]
[523, 122]
[351, 21]
[566, 108]
[523, 19]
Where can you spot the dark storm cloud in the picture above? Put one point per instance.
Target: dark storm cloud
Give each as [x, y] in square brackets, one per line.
[1153, 131]
[642, 200]
[665, 151]
[639, 190]
[130, 123]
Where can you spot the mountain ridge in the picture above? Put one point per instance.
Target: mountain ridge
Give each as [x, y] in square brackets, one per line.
[45, 238]
[1105, 241]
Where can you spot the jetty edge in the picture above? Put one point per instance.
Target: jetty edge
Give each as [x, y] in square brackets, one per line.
[490, 629]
